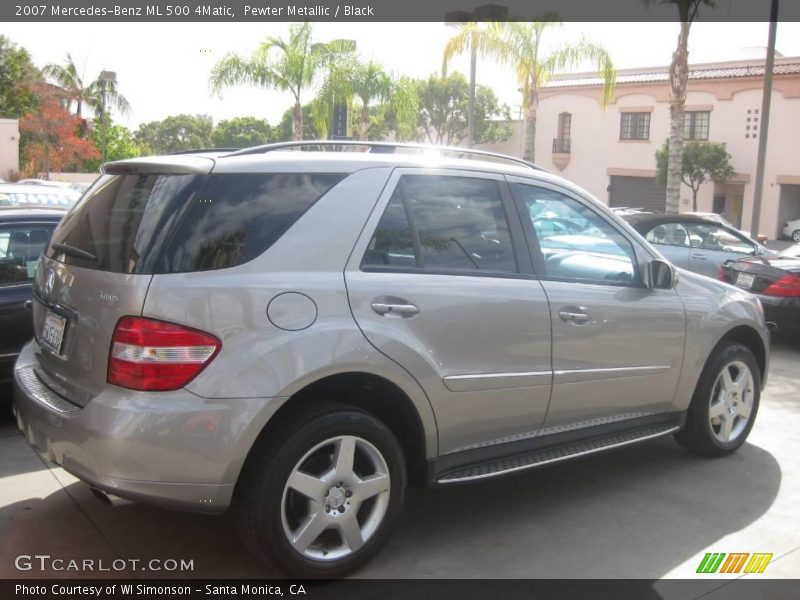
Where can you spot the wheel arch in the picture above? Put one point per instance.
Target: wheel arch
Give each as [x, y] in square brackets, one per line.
[748, 337]
[375, 394]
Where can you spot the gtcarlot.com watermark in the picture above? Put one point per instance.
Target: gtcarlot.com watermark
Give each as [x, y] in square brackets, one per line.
[46, 562]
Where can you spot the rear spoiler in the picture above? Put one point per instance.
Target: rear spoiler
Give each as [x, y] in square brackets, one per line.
[185, 164]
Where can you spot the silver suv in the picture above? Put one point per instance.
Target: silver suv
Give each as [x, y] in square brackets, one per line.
[297, 335]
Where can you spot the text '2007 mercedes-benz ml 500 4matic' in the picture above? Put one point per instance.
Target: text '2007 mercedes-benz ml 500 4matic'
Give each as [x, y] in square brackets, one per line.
[296, 333]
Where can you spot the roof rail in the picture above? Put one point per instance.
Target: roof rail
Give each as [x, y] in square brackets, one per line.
[382, 148]
[200, 150]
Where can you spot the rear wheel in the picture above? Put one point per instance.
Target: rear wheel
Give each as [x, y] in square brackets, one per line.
[320, 499]
[725, 403]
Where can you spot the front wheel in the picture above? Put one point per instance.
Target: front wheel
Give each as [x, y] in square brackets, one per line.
[725, 403]
[796, 235]
[320, 499]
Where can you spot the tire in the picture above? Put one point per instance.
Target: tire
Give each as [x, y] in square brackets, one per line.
[733, 401]
[796, 235]
[271, 513]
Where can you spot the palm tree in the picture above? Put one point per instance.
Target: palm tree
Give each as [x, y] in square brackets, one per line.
[678, 82]
[88, 94]
[280, 64]
[349, 79]
[519, 44]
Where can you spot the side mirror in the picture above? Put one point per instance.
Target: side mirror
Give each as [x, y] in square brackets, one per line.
[660, 275]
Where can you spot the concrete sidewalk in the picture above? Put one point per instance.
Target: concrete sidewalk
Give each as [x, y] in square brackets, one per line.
[649, 511]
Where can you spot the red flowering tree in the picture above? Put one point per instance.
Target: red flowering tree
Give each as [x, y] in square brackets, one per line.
[52, 141]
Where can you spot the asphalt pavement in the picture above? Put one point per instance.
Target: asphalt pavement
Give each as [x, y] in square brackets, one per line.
[647, 511]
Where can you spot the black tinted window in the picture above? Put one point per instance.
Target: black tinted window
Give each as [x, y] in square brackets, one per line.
[123, 222]
[176, 223]
[20, 248]
[458, 224]
[236, 217]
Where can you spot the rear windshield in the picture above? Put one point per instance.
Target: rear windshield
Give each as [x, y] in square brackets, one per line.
[151, 223]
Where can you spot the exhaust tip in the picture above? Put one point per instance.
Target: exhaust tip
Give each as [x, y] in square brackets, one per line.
[109, 499]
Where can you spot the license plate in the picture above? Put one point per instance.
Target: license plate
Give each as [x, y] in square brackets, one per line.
[745, 280]
[53, 331]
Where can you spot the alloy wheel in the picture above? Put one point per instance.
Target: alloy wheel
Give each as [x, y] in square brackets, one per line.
[335, 498]
[731, 401]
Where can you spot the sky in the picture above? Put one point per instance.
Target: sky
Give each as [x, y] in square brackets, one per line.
[163, 68]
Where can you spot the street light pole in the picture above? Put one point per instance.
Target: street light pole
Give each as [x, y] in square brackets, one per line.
[765, 106]
[486, 12]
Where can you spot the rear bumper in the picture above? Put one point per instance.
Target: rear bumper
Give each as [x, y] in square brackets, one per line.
[784, 312]
[171, 449]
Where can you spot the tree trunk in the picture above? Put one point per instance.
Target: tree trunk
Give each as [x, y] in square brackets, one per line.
[678, 77]
[694, 200]
[363, 133]
[529, 150]
[297, 122]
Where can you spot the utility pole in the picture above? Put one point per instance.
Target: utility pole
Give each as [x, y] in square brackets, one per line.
[456, 18]
[765, 105]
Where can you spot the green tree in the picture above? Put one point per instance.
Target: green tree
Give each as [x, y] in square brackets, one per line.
[241, 132]
[175, 133]
[284, 130]
[700, 162]
[519, 45]
[443, 107]
[17, 75]
[282, 64]
[678, 82]
[120, 144]
[86, 93]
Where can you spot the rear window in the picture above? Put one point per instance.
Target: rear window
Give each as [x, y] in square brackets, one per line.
[150, 223]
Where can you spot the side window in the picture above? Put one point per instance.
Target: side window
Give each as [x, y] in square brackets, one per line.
[440, 222]
[20, 248]
[576, 243]
[713, 237]
[670, 234]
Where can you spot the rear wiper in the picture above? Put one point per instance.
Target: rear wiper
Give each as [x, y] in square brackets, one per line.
[73, 251]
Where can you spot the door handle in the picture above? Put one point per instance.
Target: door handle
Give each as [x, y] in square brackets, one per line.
[404, 310]
[699, 256]
[28, 303]
[572, 316]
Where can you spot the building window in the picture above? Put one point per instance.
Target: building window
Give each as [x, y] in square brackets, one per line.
[635, 126]
[695, 125]
[562, 142]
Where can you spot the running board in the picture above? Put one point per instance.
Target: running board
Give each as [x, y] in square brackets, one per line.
[539, 458]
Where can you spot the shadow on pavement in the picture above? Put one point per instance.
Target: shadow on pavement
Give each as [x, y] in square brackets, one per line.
[633, 513]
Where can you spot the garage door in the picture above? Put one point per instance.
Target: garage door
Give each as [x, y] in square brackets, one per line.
[637, 192]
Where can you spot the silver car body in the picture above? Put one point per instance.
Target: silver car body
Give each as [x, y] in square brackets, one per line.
[485, 362]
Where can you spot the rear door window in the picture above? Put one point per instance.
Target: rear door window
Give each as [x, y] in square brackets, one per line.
[443, 223]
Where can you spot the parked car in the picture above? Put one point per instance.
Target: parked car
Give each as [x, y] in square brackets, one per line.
[792, 230]
[718, 218]
[298, 335]
[776, 282]
[65, 185]
[24, 233]
[695, 243]
[31, 195]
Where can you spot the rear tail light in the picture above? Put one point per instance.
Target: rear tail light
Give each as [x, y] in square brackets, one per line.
[721, 274]
[152, 355]
[788, 286]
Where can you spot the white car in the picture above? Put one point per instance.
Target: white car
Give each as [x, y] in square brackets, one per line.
[792, 230]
